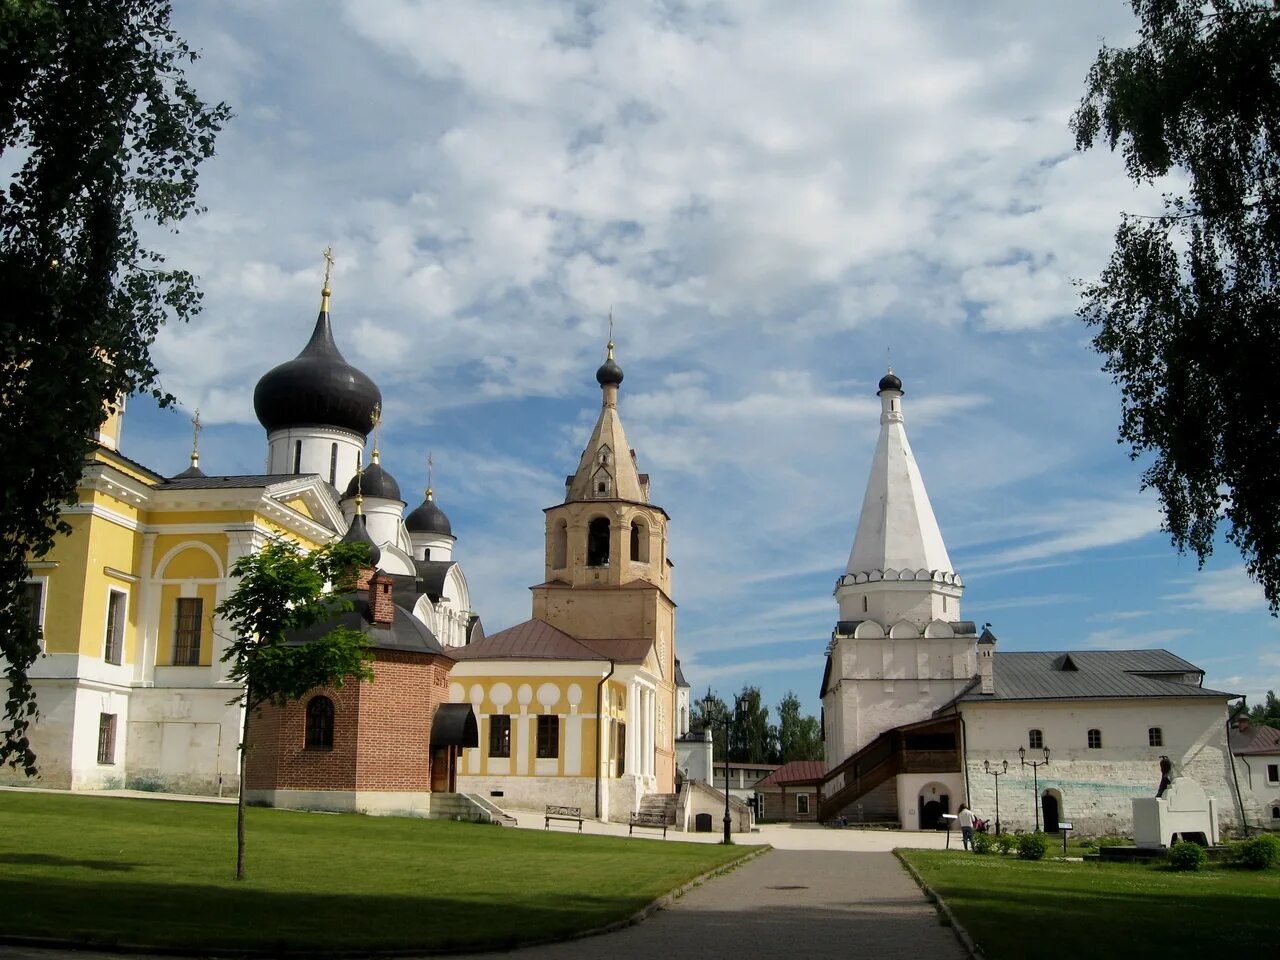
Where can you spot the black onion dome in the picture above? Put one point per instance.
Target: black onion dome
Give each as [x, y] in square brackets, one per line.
[890, 382]
[609, 373]
[359, 533]
[428, 518]
[374, 482]
[192, 472]
[317, 387]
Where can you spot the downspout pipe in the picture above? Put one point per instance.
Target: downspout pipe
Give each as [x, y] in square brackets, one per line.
[601, 745]
[1241, 707]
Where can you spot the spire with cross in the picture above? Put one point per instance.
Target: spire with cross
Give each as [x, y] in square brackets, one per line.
[377, 431]
[196, 427]
[328, 268]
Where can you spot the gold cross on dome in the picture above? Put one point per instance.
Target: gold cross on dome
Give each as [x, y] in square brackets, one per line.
[328, 264]
[196, 427]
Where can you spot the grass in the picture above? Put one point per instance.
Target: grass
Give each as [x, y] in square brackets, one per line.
[160, 873]
[1053, 909]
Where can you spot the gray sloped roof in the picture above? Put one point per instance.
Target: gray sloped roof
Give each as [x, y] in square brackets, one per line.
[431, 575]
[237, 482]
[405, 632]
[680, 680]
[1092, 674]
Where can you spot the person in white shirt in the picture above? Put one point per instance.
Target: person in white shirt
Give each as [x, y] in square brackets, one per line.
[966, 819]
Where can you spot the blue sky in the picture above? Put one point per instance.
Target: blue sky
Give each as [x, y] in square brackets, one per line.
[773, 198]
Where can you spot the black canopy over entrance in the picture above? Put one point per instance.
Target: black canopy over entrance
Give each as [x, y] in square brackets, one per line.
[454, 725]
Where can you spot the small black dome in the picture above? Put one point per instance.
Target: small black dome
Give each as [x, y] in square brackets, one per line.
[192, 472]
[428, 518]
[374, 482]
[317, 387]
[609, 373]
[359, 533]
[890, 382]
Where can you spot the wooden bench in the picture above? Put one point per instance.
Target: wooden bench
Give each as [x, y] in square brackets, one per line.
[563, 813]
[653, 821]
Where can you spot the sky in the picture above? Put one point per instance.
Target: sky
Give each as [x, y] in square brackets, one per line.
[776, 200]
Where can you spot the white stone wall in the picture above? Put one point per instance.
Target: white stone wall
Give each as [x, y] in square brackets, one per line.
[1255, 781]
[932, 786]
[317, 452]
[534, 793]
[1096, 785]
[184, 741]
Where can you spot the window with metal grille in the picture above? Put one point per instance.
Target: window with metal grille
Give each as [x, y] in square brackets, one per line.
[1155, 737]
[186, 632]
[548, 736]
[106, 738]
[1035, 740]
[500, 735]
[319, 724]
[33, 601]
[1095, 739]
[113, 647]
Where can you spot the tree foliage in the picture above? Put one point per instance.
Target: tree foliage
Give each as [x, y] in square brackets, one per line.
[799, 737]
[1187, 309]
[280, 593]
[101, 131]
[1267, 713]
[752, 739]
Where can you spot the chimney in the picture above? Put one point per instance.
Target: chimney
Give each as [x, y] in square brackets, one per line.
[1242, 723]
[380, 603]
[986, 661]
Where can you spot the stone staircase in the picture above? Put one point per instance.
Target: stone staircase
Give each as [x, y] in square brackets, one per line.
[468, 807]
[659, 804]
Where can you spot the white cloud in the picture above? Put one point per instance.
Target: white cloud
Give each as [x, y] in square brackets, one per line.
[1118, 638]
[1228, 590]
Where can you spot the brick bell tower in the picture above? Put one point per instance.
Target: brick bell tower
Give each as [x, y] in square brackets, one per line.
[607, 576]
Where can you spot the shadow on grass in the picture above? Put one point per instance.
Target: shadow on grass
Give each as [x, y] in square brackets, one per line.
[49, 860]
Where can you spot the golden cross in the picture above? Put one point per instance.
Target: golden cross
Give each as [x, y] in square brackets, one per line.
[196, 427]
[328, 264]
[430, 466]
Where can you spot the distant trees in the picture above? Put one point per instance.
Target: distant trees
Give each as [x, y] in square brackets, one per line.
[752, 738]
[1267, 713]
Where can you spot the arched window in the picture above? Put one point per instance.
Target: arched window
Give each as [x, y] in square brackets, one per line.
[864, 604]
[1095, 739]
[598, 542]
[320, 723]
[560, 546]
[639, 541]
[1035, 740]
[1155, 737]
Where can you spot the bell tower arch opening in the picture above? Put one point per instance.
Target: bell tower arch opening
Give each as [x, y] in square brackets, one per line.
[598, 542]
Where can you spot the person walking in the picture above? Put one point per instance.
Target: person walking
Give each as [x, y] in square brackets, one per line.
[966, 819]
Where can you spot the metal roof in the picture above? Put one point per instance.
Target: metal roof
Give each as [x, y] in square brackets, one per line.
[1091, 674]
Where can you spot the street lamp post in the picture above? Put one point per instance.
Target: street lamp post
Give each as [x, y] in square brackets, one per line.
[709, 716]
[1035, 766]
[996, 772]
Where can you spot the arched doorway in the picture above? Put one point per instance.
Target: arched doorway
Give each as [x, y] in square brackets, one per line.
[1051, 810]
[932, 802]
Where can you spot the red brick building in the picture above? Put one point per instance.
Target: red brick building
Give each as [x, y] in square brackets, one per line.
[379, 747]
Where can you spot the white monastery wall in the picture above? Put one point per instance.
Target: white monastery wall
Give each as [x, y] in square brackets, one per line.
[1095, 786]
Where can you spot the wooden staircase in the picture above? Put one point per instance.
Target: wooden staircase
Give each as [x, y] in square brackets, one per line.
[858, 775]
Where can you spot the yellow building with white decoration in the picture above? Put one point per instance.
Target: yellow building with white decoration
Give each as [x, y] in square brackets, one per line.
[577, 706]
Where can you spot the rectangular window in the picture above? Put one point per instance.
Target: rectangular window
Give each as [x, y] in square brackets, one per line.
[1095, 739]
[1155, 737]
[106, 738]
[113, 647]
[33, 600]
[1035, 740]
[186, 632]
[802, 803]
[500, 735]
[622, 748]
[333, 464]
[548, 736]
[1273, 773]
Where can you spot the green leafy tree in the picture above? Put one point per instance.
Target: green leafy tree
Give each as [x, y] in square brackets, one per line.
[102, 131]
[799, 737]
[752, 738]
[1267, 713]
[282, 591]
[1187, 309]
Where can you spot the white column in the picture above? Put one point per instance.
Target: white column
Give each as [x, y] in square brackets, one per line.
[648, 732]
[633, 729]
[522, 740]
[147, 598]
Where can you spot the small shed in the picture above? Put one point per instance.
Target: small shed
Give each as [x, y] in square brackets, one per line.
[791, 792]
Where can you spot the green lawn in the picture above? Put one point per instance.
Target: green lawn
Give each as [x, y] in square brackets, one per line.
[160, 873]
[1052, 909]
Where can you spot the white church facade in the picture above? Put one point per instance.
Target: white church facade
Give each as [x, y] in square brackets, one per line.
[921, 713]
